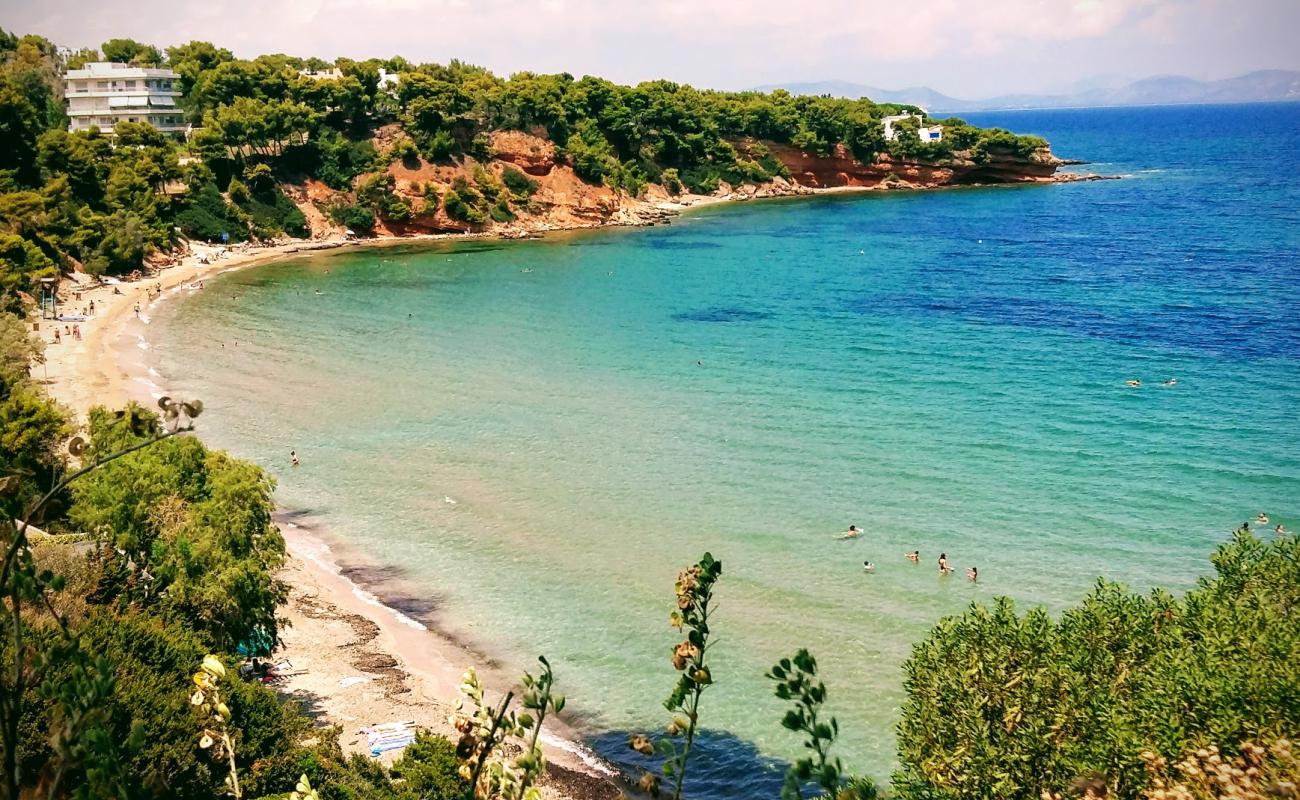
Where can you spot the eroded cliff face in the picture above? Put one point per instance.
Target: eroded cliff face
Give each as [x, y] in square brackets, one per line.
[841, 169]
[564, 201]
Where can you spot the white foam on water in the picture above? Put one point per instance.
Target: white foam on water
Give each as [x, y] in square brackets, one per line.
[584, 754]
[316, 552]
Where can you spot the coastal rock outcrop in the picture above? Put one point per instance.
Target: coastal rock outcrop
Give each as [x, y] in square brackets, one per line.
[556, 198]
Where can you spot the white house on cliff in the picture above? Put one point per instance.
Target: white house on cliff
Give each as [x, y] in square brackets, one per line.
[926, 133]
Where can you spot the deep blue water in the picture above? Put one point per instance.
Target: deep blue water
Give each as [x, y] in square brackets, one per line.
[560, 425]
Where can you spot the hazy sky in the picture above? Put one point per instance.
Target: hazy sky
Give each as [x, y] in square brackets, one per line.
[966, 48]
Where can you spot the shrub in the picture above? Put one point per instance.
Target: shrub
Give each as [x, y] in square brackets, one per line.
[356, 218]
[439, 147]
[405, 151]
[671, 181]
[462, 202]
[207, 216]
[1011, 706]
[519, 184]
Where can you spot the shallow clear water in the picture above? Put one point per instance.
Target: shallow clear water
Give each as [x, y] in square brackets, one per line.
[539, 434]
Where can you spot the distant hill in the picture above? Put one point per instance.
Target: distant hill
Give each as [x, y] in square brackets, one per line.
[1264, 86]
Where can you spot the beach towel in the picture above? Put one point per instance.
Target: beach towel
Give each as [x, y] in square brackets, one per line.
[393, 744]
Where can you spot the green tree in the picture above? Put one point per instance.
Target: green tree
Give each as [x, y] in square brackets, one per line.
[129, 51]
[1011, 706]
[199, 519]
[18, 350]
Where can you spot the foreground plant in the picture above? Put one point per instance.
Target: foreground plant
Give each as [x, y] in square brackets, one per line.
[216, 733]
[486, 731]
[79, 740]
[694, 595]
[796, 679]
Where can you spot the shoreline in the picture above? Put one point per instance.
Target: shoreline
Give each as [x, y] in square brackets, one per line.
[365, 661]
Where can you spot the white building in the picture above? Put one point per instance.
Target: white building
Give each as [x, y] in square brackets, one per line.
[930, 133]
[387, 80]
[102, 94]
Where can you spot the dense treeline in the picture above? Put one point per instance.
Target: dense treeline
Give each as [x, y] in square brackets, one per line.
[107, 202]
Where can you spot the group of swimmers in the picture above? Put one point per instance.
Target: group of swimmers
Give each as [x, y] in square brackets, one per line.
[1136, 382]
[1262, 519]
[972, 573]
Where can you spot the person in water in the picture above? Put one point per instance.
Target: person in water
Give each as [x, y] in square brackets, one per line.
[867, 566]
[944, 569]
[972, 574]
[1134, 382]
[293, 456]
[851, 533]
[1172, 381]
[1262, 519]
[914, 556]
[1279, 530]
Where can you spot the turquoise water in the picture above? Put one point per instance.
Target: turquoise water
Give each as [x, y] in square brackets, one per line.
[535, 436]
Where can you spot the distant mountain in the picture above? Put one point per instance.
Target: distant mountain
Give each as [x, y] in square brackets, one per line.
[1264, 86]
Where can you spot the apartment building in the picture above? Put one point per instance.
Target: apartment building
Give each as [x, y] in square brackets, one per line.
[105, 93]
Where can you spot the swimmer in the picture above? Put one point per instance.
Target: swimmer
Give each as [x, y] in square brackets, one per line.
[1133, 382]
[293, 456]
[867, 566]
[851, 533]
[944, 569]
[1262, 519]
[1279, 530]
[972, 574]
[1171, 382]
[914, 556]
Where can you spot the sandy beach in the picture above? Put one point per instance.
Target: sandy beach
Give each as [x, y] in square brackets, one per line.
[355, 661]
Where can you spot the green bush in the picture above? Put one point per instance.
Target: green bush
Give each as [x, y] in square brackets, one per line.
[356, 218]
[273, 213]
[519, 184]
[1002, 705]
[151, 659]
[462, 202]
[198, 519]
[207, 216]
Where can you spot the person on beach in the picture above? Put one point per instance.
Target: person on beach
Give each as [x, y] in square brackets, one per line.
[92, 308]
[851, 533]
[944, 569]
[1262, 519]
[972, 574]
[914, 556]
[137, 310]
[293, 456]
[867, 566]
[76, 332]
[58, 337]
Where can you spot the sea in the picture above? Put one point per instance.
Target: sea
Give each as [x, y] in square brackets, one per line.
[532, 438]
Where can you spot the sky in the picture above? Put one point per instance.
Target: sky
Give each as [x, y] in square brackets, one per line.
[965, 48]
